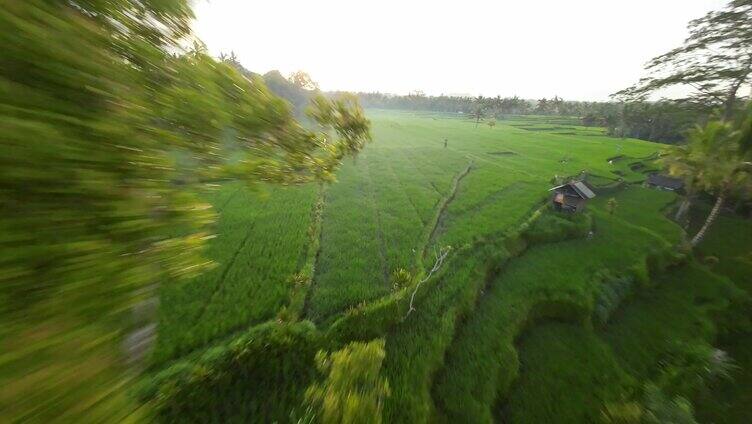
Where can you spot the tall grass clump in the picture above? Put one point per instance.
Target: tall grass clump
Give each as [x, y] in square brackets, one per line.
[353, 390]
[260, 376]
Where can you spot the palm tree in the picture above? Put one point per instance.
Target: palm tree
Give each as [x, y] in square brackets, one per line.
[712, 161]
[542, 106]
[478, 114]
[679, 162]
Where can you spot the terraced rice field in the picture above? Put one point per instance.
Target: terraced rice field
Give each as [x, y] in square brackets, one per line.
[479, 346]
[261, 243]
[381, 215]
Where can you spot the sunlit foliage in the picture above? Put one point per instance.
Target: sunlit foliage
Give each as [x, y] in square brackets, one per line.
[353, 390]
[109, 130]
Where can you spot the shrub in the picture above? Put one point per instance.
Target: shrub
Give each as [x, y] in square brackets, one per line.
[552, 227]
[653, 407]
[286, 314]
[640, 273]
[259, 376]
[659, 260]
[401, 278]
[685, 367]
[613, 291]
[611, 206]
[353, 390]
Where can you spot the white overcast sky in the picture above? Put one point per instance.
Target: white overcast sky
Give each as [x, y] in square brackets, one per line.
[577, 49]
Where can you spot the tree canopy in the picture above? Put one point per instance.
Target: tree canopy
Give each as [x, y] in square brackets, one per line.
[105, 154]
[715, 161]
[715, 60]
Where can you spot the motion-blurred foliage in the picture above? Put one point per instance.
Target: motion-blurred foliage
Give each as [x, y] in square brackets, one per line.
[353, 391]
[108, 130]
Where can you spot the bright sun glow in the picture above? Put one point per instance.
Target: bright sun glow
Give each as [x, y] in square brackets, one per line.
[580, 50]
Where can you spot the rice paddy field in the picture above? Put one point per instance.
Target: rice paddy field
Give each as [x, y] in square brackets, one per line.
[533, 317]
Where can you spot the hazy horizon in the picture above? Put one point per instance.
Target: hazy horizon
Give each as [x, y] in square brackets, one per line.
[581, 50]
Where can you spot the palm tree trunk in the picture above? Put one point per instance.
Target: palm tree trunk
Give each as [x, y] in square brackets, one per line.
[728, 107]
[709, 220]
[683, 208]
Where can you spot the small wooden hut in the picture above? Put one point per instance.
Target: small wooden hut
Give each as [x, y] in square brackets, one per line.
[571, 197]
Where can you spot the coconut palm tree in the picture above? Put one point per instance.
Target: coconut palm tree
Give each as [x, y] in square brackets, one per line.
[712, 161]
[478, 114]
[679, 162]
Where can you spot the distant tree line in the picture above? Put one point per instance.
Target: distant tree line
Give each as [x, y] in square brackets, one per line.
[664, 121]
[715, 62]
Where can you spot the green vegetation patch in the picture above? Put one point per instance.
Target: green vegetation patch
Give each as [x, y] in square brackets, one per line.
[261, 243]
[562, 278]
[405, 196]
[567, 374]
[260, 376]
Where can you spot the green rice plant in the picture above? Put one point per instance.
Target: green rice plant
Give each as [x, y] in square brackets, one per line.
[260, 376]
[659, 339]
[568, 375]
[374, 220]
[729, 240]
[260, 245]
[481, 362]
[330, 258]
[405, 174]
[415, 347]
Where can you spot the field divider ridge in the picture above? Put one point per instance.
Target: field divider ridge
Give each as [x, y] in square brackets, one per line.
[430, 230]
[308, 270]
[225, 271]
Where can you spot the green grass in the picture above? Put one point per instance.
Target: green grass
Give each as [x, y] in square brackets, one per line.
[261, 243]
[384, 202]
[729, 240]
[569, 373]
[456, 356]
[481, 361]
[727, 401]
